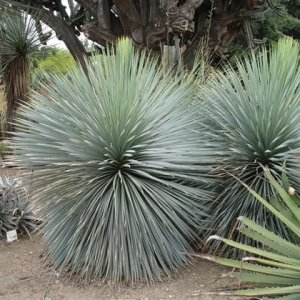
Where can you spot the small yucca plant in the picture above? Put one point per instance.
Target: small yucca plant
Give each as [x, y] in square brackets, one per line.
[117, 168]
[275, 266]
[15, 209]
[254, 113]
[19, 40]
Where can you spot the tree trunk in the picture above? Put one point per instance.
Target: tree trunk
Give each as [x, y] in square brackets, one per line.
[16, 80]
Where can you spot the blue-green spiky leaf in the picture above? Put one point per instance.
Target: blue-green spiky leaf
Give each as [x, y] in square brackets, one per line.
[118, 165]
[253, 111]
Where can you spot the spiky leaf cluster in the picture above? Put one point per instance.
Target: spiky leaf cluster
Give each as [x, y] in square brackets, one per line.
[18, 36]
[19, 40]
[15, 209]
[275, 267]
[254, 113]
[118, 164]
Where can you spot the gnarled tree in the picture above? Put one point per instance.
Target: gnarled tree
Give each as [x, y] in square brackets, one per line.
[152, 23]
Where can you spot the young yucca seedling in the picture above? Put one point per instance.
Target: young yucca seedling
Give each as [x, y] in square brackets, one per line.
[254, 113]
[275, 266]
[117, 168]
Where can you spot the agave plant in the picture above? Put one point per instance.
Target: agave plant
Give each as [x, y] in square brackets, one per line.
[117, 168]
[275, 266]
[15, 209]
[254, 113]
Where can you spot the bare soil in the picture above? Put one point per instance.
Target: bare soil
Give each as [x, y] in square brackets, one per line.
[24, 276]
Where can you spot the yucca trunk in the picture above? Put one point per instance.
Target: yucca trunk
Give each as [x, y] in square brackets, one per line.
[16, 81]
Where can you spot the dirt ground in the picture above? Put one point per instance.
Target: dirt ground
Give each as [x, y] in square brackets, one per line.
[23, 276]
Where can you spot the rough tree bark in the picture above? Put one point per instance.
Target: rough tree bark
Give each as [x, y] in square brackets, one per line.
[153, 23]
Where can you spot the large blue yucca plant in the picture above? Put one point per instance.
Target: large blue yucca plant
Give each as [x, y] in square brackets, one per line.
[118, 167]
[254, 113]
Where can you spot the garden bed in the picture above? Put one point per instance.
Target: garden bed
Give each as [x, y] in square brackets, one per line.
[23, 276]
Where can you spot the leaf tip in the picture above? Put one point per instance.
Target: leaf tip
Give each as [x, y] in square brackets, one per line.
[248, 258]
[214, 237]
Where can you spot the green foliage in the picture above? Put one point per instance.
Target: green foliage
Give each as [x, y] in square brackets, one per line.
[269, 27]
[55, 62]
[275, 27]
[118, 164]
[293, 7]
[48, 62]
[274, 268]
[17, 36]
[289, 25]
[254, 114]
[15, 209]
